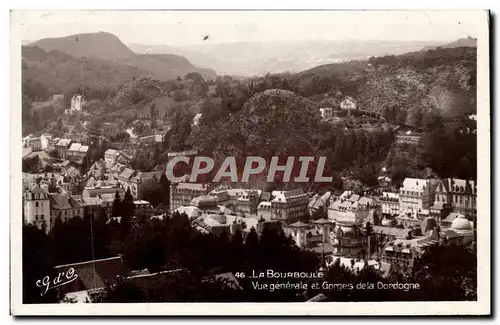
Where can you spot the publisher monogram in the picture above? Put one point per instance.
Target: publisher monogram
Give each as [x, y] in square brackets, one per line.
[62, 278]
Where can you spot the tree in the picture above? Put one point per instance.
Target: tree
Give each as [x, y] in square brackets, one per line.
[37, 266]
[117, 206]
[127, 206]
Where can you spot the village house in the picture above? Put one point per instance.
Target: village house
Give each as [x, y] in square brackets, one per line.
[289, 206]
[62, 147]
[110, 157]
[109, 128]
[390, 204]
[30, 160]
[77, 102]
[348, 103]
[326, 113]
[92, 279]
[77, 152]
[248, 202]
[181, 194]
[196, 119]
[30, 141]
[318, 205]
[416, 195]
[98, 200]
[401, 253]
[137, 181]
[458, 194]
[64, 206]
[36, 208]
[353, 207]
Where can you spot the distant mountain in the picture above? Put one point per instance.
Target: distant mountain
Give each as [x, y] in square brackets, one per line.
[57, 72]
[258, 58]
[462, 42]
[197, 58]
[106, 46]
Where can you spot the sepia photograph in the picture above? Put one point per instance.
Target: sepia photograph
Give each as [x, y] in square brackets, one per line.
[250, 163]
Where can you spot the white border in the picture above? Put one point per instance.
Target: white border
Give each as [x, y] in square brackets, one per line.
[481, 307]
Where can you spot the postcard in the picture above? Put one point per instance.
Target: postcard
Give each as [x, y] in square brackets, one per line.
[250, 163]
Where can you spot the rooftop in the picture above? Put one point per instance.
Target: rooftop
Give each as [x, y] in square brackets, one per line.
[75, 147]
[414, 184]
[63, 142]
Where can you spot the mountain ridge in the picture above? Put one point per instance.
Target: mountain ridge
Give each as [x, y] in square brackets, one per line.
[90, 45]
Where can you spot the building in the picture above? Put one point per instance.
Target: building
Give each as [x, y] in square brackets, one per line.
[416, 195]
[264, 210]
[91, 278]
[64, 206]
[349, 213]
[459, 232]
[218, 224]
[326, 113]
[248, 202]
[401, 253]
[196, 119]
[77, 102]
[98, 191]
[181, 194]
[98, 200]
[348, 239]
[30, 160]
[45, 141]
[149, 139]
[32, 142]
[221, 193]
[390, 204]
[62, 147]
[138, 181]
[36, 208]
[186, 153]
[348, 103]
[318, 205]
[110, 157]
[205, 202]
[77, 152]
[299, 233]
[460, 195]
[358, 209]
[289, 206]
[109, 128]
[143, 207]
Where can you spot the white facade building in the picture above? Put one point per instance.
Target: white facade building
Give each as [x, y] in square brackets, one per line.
[36, 205]
[416, 195]
[110, 157]
[77, 103]
[348, 103]
[326, 113]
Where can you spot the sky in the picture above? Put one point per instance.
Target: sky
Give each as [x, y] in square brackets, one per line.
[184, 28]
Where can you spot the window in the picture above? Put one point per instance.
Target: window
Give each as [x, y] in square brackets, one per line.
[36, 216]
[36, 204]
[42, 217]
[65, 212]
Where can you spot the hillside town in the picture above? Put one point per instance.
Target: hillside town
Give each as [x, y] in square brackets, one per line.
[383, 227]
[149, 177]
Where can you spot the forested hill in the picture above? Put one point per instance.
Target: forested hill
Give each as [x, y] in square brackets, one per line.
[47, 73]
[403, 88]
[425, 89]
[106, 46]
